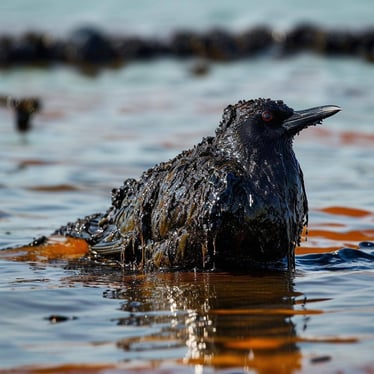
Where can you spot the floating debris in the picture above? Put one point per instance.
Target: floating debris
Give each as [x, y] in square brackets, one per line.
[56, 318]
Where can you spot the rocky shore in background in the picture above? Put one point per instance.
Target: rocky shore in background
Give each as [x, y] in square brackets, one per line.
[92, 47]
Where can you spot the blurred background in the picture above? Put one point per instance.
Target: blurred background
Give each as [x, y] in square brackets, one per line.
[96, 127]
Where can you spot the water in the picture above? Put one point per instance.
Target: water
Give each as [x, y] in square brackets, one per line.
[94, 132]
[144, 17]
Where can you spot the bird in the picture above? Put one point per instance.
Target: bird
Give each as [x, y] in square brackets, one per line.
[235, 201]
[24, 108]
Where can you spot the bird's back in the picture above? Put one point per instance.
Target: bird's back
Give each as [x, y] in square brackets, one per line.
[166, 218]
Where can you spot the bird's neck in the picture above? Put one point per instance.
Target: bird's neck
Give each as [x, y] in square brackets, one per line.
[259, 153]
[275, 160]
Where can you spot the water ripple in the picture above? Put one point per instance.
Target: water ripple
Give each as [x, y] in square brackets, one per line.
[342, 259]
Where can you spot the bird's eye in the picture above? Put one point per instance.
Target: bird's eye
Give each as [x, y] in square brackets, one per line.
[267, 116]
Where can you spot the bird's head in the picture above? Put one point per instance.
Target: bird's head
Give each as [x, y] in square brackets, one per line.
[265, 121]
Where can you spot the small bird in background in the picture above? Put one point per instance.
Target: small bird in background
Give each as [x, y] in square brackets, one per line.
[23, 108]
[235, 201]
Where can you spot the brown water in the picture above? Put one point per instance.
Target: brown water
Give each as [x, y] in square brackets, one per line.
[59, 314]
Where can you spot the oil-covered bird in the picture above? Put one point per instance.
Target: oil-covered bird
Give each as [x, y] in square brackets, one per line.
[233, 202]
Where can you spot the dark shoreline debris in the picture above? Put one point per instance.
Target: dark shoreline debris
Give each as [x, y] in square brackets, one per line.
[90, 47]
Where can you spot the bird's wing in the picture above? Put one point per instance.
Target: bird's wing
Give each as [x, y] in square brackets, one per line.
[171, 204]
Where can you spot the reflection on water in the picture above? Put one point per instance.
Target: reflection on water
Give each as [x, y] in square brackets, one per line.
[192, 322]
[197, 311]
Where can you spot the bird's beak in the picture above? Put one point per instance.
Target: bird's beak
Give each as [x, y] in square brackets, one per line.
[303, 118]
